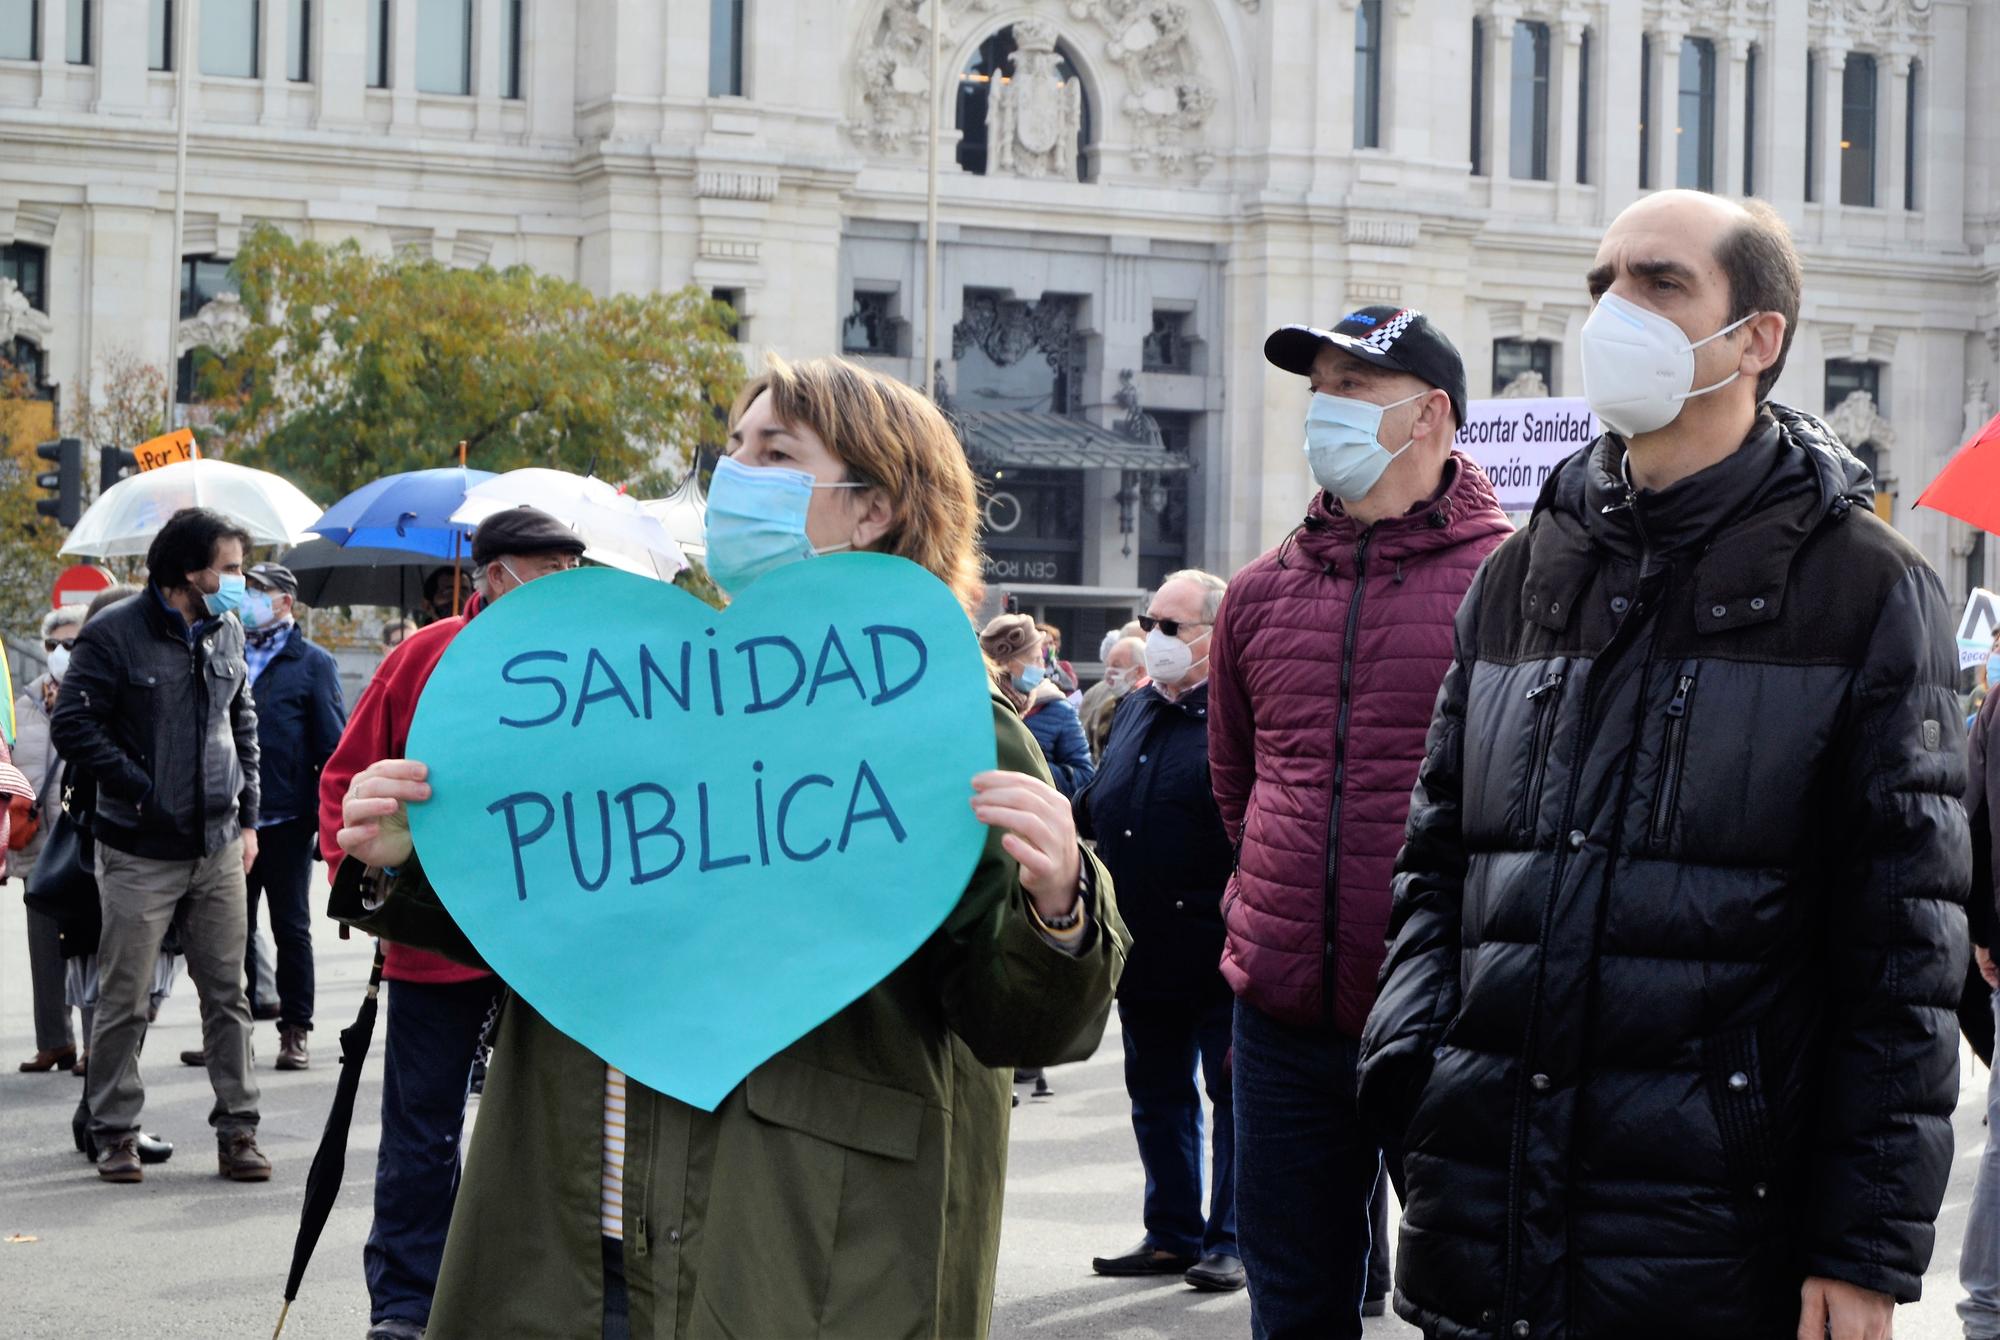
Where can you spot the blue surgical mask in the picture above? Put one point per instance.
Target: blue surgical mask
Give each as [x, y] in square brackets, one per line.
[228, 596]
[1993, 671]
[1029, 679]
[1342, 443]
[756, 521]
[257, 610]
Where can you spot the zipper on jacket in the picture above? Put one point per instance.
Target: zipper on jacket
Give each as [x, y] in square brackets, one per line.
[1672, 756]
[1330, 922]
[1546, 700]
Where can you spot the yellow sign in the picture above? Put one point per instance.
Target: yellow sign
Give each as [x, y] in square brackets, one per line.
[167, 449]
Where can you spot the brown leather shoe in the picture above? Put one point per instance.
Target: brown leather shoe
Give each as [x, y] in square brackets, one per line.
[120, 1163]
[82, 1060]
[59, 1058]
[239, 1158]
[292, 1049]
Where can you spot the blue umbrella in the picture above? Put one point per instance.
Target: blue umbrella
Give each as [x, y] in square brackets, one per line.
[410, 512]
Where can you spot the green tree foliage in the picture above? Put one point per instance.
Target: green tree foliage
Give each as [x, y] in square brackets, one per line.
[357, 366]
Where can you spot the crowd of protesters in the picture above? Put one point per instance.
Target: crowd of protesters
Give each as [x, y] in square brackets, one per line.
[1597, 888]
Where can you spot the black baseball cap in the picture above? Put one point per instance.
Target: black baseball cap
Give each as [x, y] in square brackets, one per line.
[522, 530]
[1399, 338]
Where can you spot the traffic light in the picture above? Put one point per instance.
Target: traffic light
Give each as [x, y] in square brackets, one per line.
[65, 481]
[114, 464]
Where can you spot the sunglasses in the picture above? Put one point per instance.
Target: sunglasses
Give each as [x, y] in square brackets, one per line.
[51, 643]
[1171, 627]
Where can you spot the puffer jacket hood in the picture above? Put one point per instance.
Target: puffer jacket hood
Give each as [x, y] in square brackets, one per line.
[1669, 1012]
[1324, 667]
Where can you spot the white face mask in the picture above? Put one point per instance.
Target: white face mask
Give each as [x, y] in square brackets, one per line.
[58, 661]
[1638, 368]
[1119, 682]
[1168, 659]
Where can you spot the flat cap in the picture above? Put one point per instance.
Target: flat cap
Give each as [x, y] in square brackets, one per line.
[522, 530]
[1010, 637]
[274, 577]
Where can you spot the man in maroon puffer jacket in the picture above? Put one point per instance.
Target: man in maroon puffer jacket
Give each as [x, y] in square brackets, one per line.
[1327, 657]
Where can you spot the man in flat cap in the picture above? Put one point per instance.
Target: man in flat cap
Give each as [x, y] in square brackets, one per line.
[300, 715]
[437, 1008]
[1325, 660]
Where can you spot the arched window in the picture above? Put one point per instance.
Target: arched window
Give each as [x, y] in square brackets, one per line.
[994, 66]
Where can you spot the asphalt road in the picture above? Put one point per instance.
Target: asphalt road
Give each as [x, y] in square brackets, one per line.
[188, 1254]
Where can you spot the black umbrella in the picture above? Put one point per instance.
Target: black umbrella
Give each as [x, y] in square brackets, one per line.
[330, 1162]
[331, 575]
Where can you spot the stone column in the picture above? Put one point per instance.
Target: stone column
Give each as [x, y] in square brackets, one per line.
[54, 54]
[1335, 44]
[1891, 163]
[274, 39]
[1833, 67]
[1565, 103]
[488, 59]
[1732, 96]
[402, 37]
[121, 58]
[340, 87]
[1663, 117]
[1499, 133]
[1614, 54]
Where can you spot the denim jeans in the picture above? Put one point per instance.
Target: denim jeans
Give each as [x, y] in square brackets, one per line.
[1164, 1042]
[1305, 1174]
[426, 1075]
[282, 874]
[1979, 1259]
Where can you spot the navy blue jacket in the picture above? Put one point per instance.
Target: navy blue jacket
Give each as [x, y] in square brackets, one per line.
[1153, 816]
[300, 715]
[1058, 731]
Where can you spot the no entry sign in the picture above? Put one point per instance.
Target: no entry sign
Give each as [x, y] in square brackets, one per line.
[76, 585]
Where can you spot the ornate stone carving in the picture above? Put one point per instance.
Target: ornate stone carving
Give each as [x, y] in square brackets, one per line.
[1857, 422]
[717, 184]
[1381, 232]
[20, 321]
[219, 326]
[1878, 19]
[1527, 386]
[1033, 119]
[1977, 410]
[1164, 98]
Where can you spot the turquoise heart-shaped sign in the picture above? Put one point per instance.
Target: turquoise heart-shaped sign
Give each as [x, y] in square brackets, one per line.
[688, 837]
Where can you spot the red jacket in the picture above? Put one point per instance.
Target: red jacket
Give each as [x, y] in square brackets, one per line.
[377, 730]
[1324, 666]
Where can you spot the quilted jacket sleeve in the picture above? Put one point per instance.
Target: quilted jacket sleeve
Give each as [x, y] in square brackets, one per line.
[1896, 955]
[1232, 732]
[1419, 980]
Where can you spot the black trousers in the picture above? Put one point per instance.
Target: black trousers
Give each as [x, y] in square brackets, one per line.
[282, 875]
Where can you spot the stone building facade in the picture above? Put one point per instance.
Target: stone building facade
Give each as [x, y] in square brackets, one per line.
[1133, 193]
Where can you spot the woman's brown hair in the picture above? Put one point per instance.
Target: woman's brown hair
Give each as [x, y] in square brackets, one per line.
[892, 438]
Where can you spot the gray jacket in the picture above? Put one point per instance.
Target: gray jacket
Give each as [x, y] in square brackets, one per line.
[162, 716]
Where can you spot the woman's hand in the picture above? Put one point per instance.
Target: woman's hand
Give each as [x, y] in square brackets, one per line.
[1040, 833]
[375, 828]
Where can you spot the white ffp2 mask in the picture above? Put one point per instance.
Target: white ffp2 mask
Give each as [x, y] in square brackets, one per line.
[1638, 368]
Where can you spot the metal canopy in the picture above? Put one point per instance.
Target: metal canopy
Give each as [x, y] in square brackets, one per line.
[1043, 441]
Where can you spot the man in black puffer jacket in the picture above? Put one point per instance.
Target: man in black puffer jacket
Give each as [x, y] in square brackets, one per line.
[1666, 1027]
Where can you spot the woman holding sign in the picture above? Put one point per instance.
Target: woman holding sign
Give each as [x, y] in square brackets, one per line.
[851, 1185]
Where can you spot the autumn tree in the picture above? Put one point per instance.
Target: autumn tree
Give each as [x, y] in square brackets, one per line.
[357, 366]
[28, 541]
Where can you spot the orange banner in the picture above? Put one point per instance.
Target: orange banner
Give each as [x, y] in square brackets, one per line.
[166, 449]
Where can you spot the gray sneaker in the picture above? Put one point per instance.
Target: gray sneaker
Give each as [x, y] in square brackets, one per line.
[395, 1328]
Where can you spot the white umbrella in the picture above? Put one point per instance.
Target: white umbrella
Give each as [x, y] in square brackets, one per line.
[616, 530]
[684, 513]
[126, 516]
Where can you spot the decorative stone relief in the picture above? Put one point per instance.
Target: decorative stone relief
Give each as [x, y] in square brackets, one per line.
[1877, 19]
[1381, 232]
[1166, 102]
[1526, 386]
[1977, 410]
[716, 184]
[1033, 118]
[219, 326]
[18, 320]
[1856, 422]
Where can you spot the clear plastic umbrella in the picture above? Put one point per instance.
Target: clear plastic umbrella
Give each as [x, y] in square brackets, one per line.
[126, 517]
[616, 530]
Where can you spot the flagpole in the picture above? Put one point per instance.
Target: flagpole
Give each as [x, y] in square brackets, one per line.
[183, 16]
[931, 304]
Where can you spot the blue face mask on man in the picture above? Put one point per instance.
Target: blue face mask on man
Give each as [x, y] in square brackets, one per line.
[228, 596]
[1343, 446]
[259, 610]
[756, 521]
